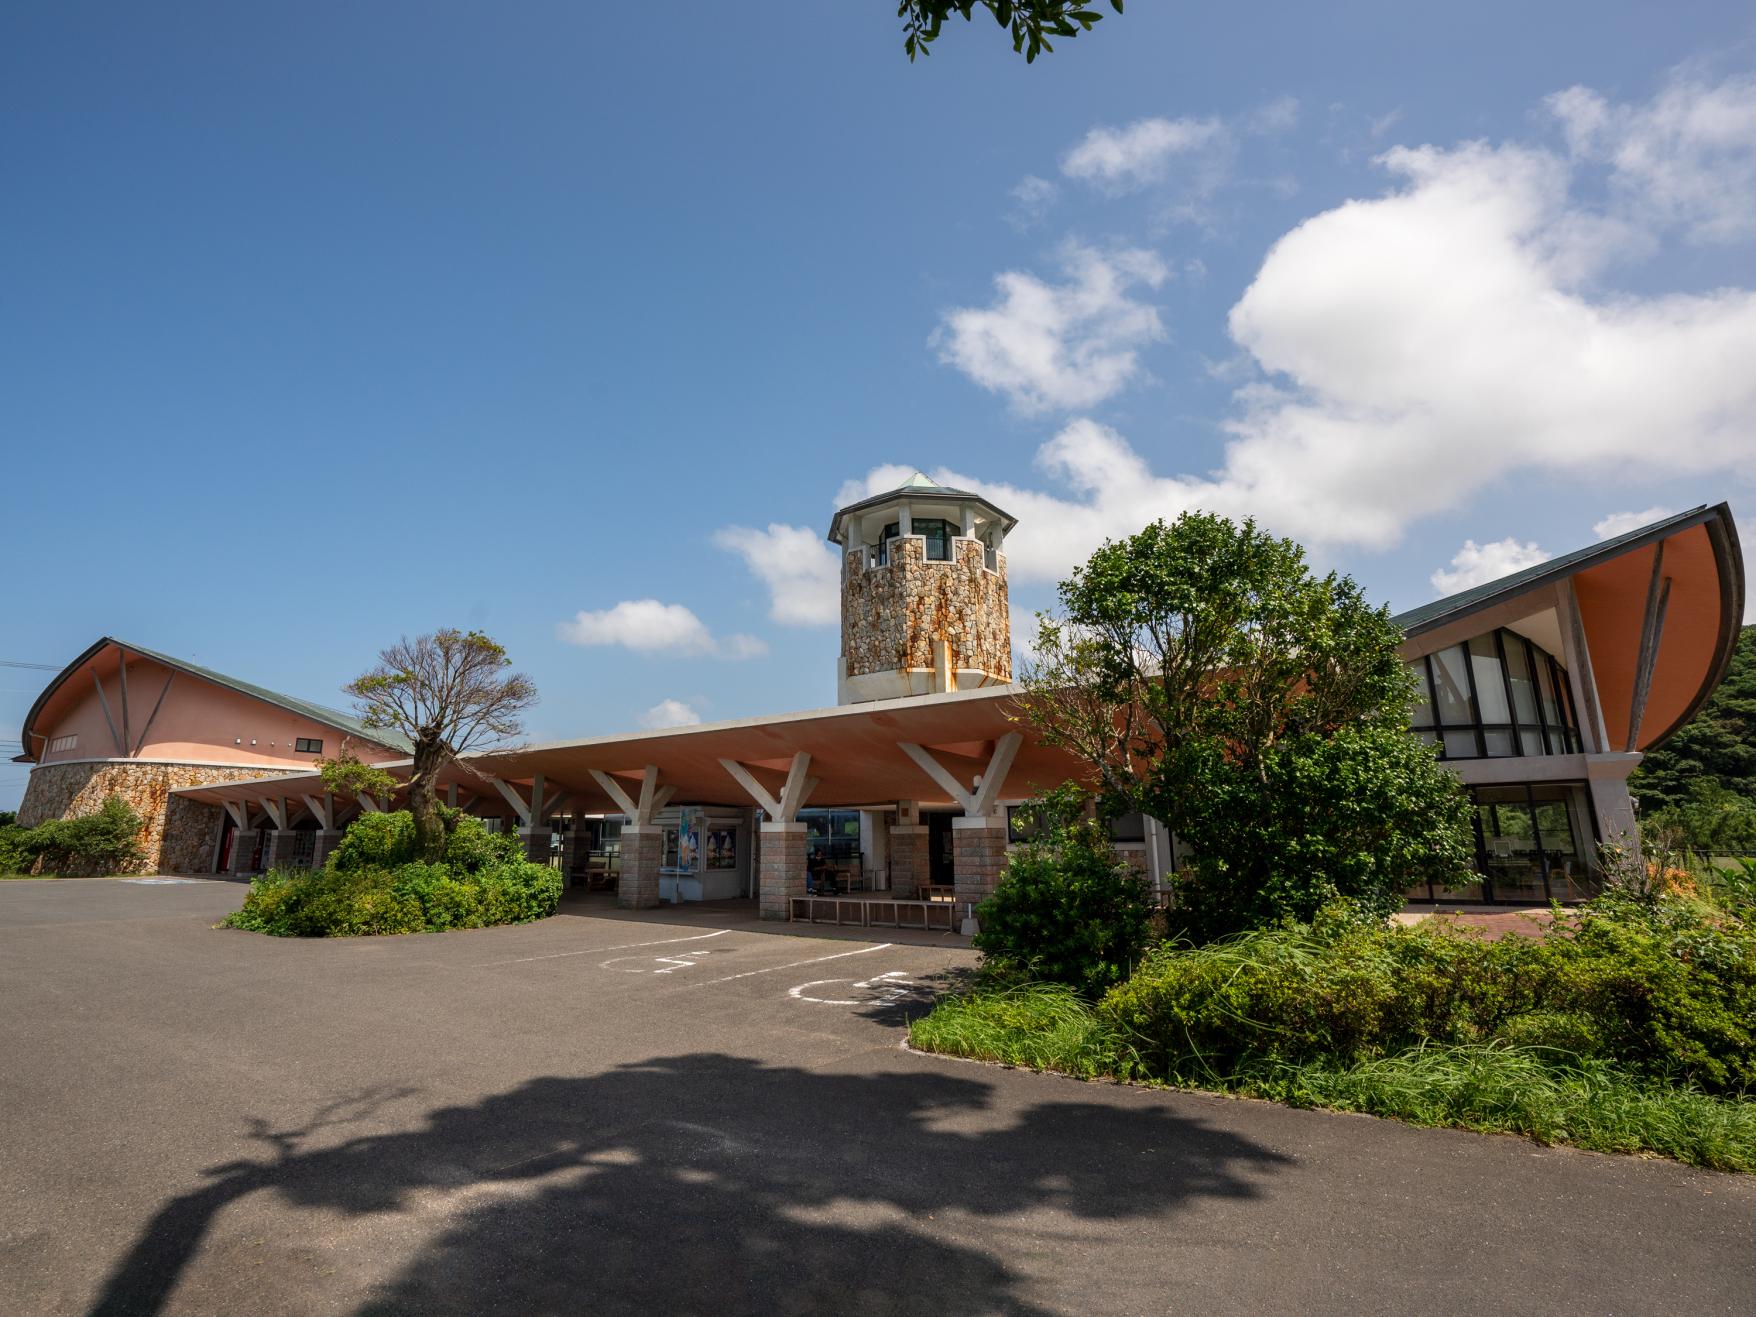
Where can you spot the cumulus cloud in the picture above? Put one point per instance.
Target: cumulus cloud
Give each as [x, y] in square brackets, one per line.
[669, 713]
[1119, 159]
[649, 626]
[1477, 564]
[798, 567]
[1058, 346]
[1620, 523]
[1687, 158]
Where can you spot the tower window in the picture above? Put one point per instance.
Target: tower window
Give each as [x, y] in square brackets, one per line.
[307, 745]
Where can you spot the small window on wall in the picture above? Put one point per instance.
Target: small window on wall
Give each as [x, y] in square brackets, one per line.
[61, 743]
[1022, 823]
[308, 745]
[1127, 828]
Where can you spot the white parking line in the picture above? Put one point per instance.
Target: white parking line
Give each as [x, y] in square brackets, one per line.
[592, 951]
[817, 960]
[885, 990]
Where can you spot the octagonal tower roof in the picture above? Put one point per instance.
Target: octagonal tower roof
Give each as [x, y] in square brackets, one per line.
[919, 488]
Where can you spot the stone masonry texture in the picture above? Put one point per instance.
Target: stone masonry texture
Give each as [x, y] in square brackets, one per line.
[908, 861]
[978, 856]
[782, 869]
[892, 615]
[643, 849]
[179, 834]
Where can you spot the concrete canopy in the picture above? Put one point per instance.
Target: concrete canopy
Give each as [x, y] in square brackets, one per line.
[855, 757]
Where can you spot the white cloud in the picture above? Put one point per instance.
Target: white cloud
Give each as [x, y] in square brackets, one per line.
[1059, 346]
[801, 571]
[1122, 158]
[649, 626]
[1031, 200]
[669, 713]
[1686, 158]
[1280, 115]
[1620, 523]
[1477, 564]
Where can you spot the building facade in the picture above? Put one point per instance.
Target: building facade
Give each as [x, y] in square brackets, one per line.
[1540, 691]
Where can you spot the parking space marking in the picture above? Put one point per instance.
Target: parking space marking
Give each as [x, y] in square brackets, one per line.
[886, 990]
[816, 960]
[592, 951]
[671, 964]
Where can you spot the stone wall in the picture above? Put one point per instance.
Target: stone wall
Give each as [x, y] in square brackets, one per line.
[892, 615]
[179, 835]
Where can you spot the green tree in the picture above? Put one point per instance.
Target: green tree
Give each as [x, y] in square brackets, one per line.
[1030, 22]
[1211, 680]
[1717, 745]
[448, 692]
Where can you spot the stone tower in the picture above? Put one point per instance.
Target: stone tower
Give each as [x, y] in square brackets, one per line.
[923, 593]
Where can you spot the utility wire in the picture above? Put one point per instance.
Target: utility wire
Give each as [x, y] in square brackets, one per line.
[40, 667]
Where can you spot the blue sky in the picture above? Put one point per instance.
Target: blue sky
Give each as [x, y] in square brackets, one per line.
[323, 324]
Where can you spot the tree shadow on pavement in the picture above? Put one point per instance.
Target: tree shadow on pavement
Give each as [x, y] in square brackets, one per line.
[714, 1182]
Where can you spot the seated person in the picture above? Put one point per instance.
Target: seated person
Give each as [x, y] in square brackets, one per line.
[818, 879]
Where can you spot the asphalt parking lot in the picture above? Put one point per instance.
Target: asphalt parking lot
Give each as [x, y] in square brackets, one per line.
[597, 1114]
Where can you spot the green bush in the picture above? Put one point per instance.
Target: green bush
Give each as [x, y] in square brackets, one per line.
[104, 841]
[1068, 909]
[1662, 990]
[372, 885]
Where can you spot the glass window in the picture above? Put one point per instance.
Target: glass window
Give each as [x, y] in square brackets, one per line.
[938, 535]
[1451, 687]
[1499, 743]
[1128, 828]
[889, 533]
[1523, 685]
[1462, 744]
[307, 745]
[1484, 661]
[1512, 860]
[1546, 690]
[1556, 808]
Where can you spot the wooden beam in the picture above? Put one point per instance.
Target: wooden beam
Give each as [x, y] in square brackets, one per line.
[104, 703]
[153, 716]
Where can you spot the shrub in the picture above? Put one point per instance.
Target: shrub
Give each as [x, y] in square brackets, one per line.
[1662, 990]
[104, 841]
[1068, 909]
[372, 885]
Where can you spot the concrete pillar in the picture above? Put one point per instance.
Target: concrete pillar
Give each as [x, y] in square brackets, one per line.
[908, 860]
[643, 850]
[243, 848]
[282, 845]
[978, 850]
[327, 840]
[1608, 777]
[782, 869]
[537, 847]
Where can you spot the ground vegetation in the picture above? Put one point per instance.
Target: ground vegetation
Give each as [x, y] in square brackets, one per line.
[105, 841]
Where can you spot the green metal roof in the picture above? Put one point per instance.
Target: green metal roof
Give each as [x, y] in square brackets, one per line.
[919, 485]
[344, 722]
[1427, 616]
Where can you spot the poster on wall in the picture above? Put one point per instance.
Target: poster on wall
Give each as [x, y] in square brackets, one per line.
[689, 823]
[722, 849]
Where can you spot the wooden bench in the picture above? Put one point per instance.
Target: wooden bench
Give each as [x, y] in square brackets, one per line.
[868, 913]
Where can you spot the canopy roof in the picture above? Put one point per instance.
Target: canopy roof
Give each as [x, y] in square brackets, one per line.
[918, 488]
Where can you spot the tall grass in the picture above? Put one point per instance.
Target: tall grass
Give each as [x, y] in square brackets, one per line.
[1493, 1087]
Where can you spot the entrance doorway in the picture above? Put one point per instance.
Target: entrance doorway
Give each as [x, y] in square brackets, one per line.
[941, 861]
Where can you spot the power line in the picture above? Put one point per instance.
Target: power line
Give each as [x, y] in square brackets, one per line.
[40, 667]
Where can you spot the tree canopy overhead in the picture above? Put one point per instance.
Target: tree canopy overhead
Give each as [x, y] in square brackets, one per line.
[1030, 22]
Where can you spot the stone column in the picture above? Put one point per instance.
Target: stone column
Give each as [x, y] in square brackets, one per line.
[537, 848]
[575, 852]
[978, 855]
[243, 847]
[327, 840]
[782, 869]
[908, 860]
[643, 848]
[282, 845]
